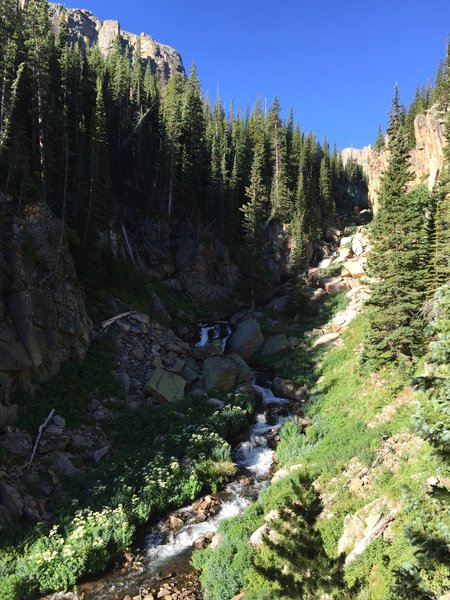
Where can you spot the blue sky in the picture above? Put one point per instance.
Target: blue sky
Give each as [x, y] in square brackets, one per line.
[334, 61]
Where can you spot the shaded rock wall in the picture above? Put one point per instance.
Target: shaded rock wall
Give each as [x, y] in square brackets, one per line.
[43, 320]
[180, 255]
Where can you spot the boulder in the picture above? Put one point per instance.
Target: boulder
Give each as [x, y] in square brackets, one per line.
[334, 285]
[361, 528]
[278, 304]
[8, 416]
[343, 319]
[316, 295]
[288, 389]
[365, 216]
[79, 442]
[327, 338]
[256, 539]
[165, 385]
[101, 453]
[191, 371]
[332, 235]
[245, 374]
[124, 380]
[346, 241]
[281, 474]
[220, 373]
[357, 247]
[220, 404]
[275, 344]
[175, 522]
[355, 269]
[17, 443]
[64, 466]
[203, 352]
[11, 500]
[246, 339]
[343, 254]
[215, 542]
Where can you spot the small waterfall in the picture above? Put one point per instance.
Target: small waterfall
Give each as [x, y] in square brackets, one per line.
[182, 540]
[210, 333]
[268, 396]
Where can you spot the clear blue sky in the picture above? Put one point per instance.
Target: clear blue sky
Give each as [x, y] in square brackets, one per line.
[334, 61]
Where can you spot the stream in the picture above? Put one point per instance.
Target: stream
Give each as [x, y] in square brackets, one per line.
[165, 553]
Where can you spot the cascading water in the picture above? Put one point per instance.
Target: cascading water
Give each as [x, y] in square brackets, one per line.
[210, 333]
[166, 551]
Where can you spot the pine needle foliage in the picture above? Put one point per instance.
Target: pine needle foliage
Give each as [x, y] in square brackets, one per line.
[293, 555]
[399, 260]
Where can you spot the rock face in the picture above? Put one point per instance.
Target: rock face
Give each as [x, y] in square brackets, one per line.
[204, 269]
[426, 157]
[364, 526]
[179, 256]
[86, 30]
[43, 319]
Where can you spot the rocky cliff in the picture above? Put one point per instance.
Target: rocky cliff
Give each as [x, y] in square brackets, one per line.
[86, 30]
[426, 157]
[43, 320]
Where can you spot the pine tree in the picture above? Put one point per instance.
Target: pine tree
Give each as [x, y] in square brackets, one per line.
[399, 259]
[308, 190]
[171, 116]
[379, 143]
[280, 196]
[326, 192]
[99, 202]
[39, 44]
[218, 141]
[194, 179]
[298, 303]
[440, 264]
[293, 558]
[11, 67]
[255, 213]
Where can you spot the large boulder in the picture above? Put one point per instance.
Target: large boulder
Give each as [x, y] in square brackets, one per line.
[361, 528]
[11, 500]
[17, 443]
[326, 339]
[334, 285]
[355, 269]
[246, 339]
[357, 246]
[220, 373]
[165, 385]
[288, 389]
[275, 344]
[245, 374]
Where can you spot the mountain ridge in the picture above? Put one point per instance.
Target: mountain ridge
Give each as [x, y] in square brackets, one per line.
[87, 30]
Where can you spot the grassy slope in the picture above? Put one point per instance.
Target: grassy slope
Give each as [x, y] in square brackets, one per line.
[341, 404]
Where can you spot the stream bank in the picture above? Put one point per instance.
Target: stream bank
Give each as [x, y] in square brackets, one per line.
[161, 567]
